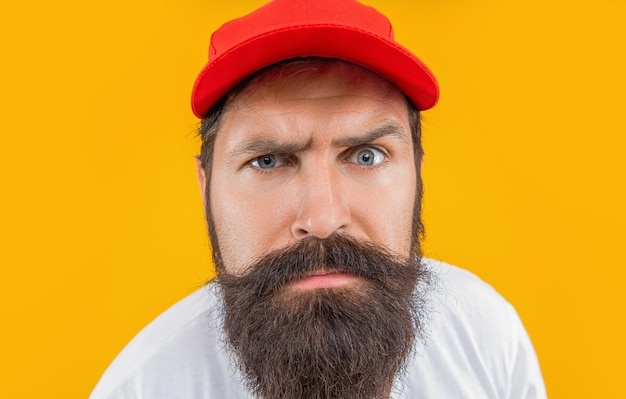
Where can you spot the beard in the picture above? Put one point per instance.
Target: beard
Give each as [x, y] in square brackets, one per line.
[350, 341]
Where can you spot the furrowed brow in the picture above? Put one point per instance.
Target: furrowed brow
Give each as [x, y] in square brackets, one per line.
[386, 130]
[269, 147]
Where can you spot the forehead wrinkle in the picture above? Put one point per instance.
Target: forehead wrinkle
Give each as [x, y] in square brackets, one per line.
[387, 129]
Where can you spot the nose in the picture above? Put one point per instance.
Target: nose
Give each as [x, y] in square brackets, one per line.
[322, 210]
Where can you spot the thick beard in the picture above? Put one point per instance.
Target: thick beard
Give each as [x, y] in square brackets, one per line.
[346, 342]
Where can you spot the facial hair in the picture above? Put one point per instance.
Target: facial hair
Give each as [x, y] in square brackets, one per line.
[342, 342]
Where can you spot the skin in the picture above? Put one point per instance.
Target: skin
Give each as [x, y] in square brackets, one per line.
[338, 157]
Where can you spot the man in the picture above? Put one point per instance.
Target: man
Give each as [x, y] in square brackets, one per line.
[310, 174]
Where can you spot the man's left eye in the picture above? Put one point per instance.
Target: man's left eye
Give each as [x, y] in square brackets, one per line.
[367, 156]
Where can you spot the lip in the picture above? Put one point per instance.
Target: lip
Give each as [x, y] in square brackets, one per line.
[324, 279]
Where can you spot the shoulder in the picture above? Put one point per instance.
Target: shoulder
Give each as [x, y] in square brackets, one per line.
[474, 342]
[463, 296]
[468, 314]
[178, 355]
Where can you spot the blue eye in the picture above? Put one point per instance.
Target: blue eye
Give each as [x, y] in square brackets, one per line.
[264, 161]
[369, 157]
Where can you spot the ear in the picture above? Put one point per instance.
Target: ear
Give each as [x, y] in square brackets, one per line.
[201, 176]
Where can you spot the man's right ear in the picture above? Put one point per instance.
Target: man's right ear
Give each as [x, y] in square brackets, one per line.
[201, 176]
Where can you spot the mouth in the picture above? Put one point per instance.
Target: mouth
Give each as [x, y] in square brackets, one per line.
[323, 279]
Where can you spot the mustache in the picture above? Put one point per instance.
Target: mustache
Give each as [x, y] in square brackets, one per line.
[337, 253]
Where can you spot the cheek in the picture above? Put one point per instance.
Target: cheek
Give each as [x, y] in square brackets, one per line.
[233, 225]
[248, 224]
[387, 212]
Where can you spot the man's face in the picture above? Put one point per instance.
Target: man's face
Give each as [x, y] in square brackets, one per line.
[309, 154]
[313, 211]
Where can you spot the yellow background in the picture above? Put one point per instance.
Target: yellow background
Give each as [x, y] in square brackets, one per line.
[101, 221]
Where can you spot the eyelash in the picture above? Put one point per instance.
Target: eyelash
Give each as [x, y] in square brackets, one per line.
[355, 150]
[286, 158]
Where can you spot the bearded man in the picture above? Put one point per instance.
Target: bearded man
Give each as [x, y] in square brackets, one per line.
[310, 174]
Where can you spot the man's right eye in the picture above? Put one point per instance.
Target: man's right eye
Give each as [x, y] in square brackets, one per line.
[265, 161]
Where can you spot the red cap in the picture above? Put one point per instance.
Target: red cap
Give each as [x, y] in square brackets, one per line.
[284, 29]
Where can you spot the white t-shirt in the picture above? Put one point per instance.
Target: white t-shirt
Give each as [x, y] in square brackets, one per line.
[475, 347]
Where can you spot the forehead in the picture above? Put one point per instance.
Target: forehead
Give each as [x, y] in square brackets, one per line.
[313, 78]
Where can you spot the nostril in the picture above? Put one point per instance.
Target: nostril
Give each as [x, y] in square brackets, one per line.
[300, 233]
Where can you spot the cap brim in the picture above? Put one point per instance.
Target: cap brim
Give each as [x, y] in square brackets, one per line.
[391, 61]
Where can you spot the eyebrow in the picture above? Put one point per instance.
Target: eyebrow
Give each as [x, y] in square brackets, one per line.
[264, 146]
[388, 129]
